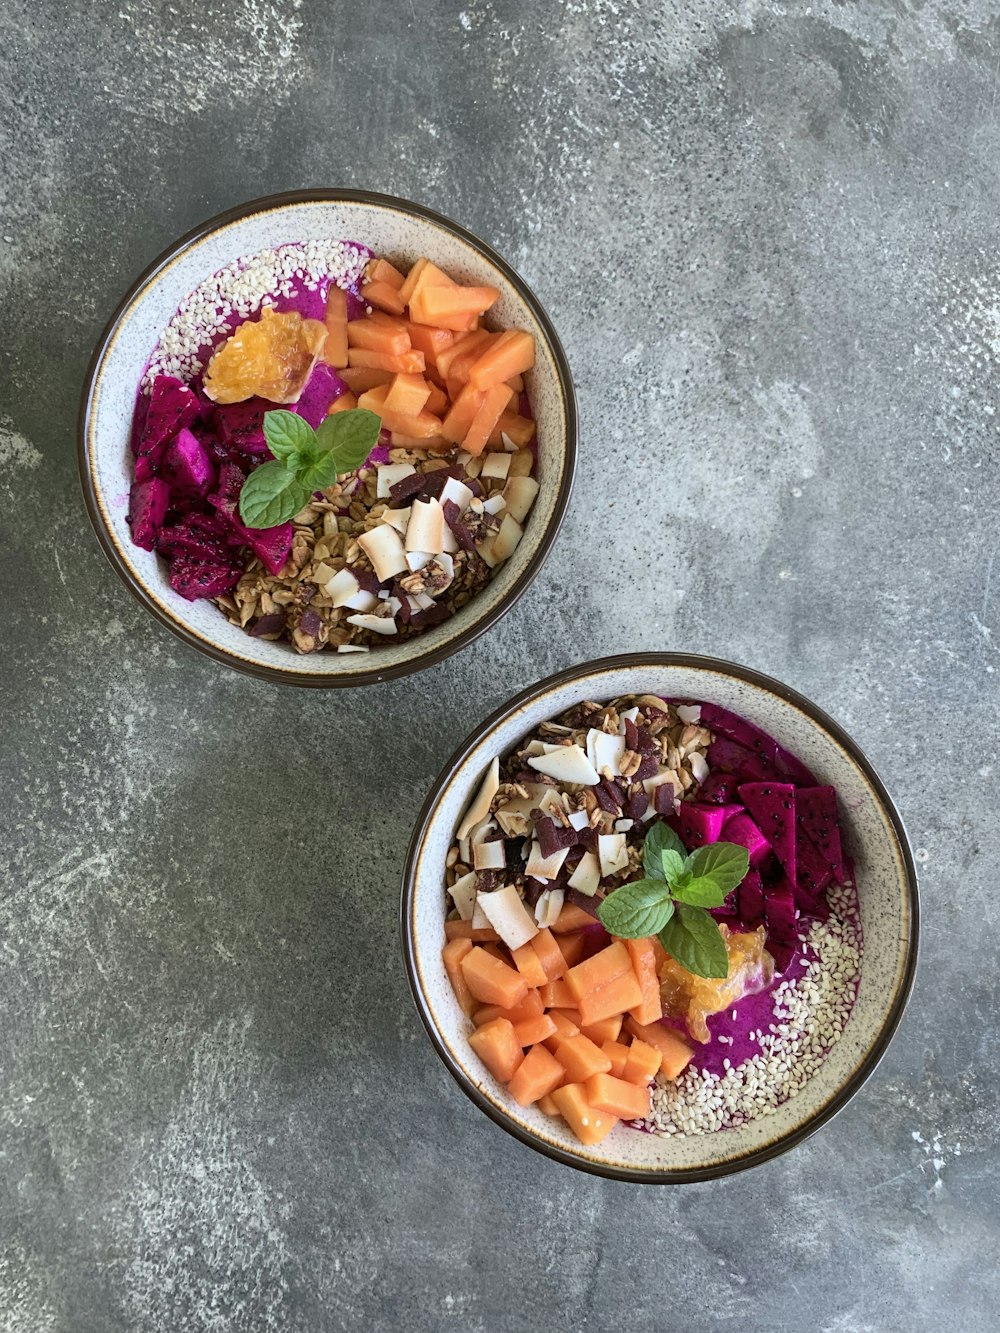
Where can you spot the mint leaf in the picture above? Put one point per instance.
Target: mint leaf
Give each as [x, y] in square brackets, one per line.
[724, 863]
[702, 892]
[271, 495]
[694, 940]
[673, 865]
[349, 437]
[660, 838]
[636, 910]
[320, 473]
[288, 436]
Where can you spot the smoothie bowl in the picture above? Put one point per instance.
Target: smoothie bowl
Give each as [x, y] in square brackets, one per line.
[660, 917]
[328, 438]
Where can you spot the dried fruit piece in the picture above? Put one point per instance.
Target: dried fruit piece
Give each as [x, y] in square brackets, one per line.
[271, 357]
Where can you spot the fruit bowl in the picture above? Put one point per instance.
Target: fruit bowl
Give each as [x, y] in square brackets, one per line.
[887, 903]
[392, 227]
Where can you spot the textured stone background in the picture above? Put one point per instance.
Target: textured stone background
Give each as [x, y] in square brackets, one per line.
[767, 236]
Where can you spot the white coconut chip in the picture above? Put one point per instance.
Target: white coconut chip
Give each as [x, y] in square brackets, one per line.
[425, 530]
[508, 916]
[520, 493]
[586, 878]
[567, 763]
[377, 624]
[384, 549]
[480, 806]
[388, 474]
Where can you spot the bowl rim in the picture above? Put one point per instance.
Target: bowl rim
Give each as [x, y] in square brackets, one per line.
[375, 674]
[868, 1064]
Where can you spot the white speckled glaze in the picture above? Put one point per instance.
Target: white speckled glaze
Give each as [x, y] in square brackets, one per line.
[401, 232]
[873, 835]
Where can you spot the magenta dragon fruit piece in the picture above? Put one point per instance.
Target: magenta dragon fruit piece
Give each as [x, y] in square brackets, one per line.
[751, 900]
[776, 759]
[741, 830]
[816, 810]
[195, 579]
[186, 465]
[240, 426]
[323, 387]
[697, 825]
[727, 758]
[814, 876]
[719, 789]
[772, 805]
[202, 536]
[147, 508]
[172, 406]
[779, 914]
[271, 546]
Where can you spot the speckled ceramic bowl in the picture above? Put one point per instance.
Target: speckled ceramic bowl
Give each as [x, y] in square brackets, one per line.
[887, 888]
[399, 230]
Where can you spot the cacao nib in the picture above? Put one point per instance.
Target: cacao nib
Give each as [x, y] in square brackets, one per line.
[636, 805]
[553, 837]
[647, 768]
[310, 623]
[453, 517]
[533, 889]
[663, 798]
[407, 486]
[436, 480]
[269, 624]
[587, 838]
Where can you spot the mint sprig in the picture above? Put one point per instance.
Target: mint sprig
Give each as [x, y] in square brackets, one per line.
[672, 899]
[305, 460]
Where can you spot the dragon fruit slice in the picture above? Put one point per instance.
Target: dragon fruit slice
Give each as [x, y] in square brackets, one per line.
[741, 830]
[727, 758]
[186, 464]
[773, 756]
[240, 426]
[271, 546]
[195, 579]
[772, 805]
[697, 825]
[172, 405]
[779, 914]
[202, 536]
[718, 788]
[751, 900]
[323, 387]
[814, 875]
[147, 508]
[816, 811]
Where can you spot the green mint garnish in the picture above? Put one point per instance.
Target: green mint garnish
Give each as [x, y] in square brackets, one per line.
[305, 460]
[672, 899]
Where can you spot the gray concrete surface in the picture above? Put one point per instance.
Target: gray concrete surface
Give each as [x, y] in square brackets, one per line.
[767, 235]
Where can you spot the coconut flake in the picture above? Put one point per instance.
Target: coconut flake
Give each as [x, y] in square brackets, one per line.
[457, 492]
[463, 895]
[548, 907]
[579, 819]
[495, 504]
[417, 559]
[384, 549]
[480, 806]
[567, 763]
[425, 531]
[689, 713]
[545, 867]
[353, 648]
[605, 751]
[520, 493]
[506, 541]
[388, 474]
[397, 518]
[612, 852]
[508, 916]
[377, 624]
[586, 878]
[489, 855]
[496, 466]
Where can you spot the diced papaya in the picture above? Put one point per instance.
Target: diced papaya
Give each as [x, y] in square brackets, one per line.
[550, 955]
[498, 1048]
[538, 1075]
[659, 954]
[461, 347]
[380, 270]
[401, 441]
[451, 955]
[528, 963]
[572, 947]
[598, 970]
[491, 980]
[438, 304]
[616, 1097]
[429, 275]
[557, 995]
[571, 1016]
[410, 281]
[335, 319]
[464, 356]
[618, 1055]
[345, 403]
[496, 949]
[437, 400]
[547, 1106]
[407, 394]
[675, 1053]
[605, 1029]
[388, 337]
[432, 342]
[519, 430]
[580, 1057]
[530, 1007]
[516, 382]
[457, 423]
[465, 930]
[642, 1064]
[360, 378]
[402, 363]
[425, 308]
[572, 918]
[494, 403]
[618, 995]
[421, 426]
[512, 354]
[564, 1029]
[383, 297]
[530, 1031]
[650, 1007]
[588, 1125]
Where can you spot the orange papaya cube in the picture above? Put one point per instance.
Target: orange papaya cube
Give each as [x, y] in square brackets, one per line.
[616, 1097]
[429, 275]
[494, 402]
[650, 1008]
[564, 1029]
[572, 918]
[519, 430]
[550, 955]
[359, 379]
[422, 426]
[557, 995]
[380, 270]
[407, 395]
[588, 1125]
[404, 363]
[642, 1064]
[451, 955]
[496, 950]
[531, 1031]
[383, 297]
[618, 995]
[345, 403]
[432, 342]
[459, 348]
[516, 382]
[597, 970]
[465, 930]
[675, 1053]
[539, 1074]
[529, 965]
[659, 954]
[456, 424]
[512, 354]
[617, 1054]
[570, 1016]
[378, 336]
[439, 304]
[530, 1007]
[437, 400]
[497, 1047]
[335, 320]
[491, 980]
[547, 1106]
[464, 357]
[580, 1057]
[401, 441]
[606, 1029]
[410, 281]
[572, 947]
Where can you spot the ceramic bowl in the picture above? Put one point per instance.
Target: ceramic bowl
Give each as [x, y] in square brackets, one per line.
[874, 835]
[397, 229]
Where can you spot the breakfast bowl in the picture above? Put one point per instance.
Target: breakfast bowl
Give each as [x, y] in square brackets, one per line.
[291, 309]
[573, 1003]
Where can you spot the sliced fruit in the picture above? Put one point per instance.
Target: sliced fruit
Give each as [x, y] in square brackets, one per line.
[538, 1075]
[588, 1125]
[497, 1046]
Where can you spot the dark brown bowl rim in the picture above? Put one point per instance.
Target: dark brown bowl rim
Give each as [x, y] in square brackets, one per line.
[864, 1070]
[434, 655]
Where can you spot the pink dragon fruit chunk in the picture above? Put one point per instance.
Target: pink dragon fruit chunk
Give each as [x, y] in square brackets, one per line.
[772, 805]
[195, 579]
[147, 508]
[202, 536]
[782, 953]
[779, 914]
[697, 825]
[775, 758]
[751, 900]
[240, 426]
[323, 387]
[172, 406]
[719, 789]
[186, 465]
[727, 757]
[741, 830]
[271, 546]
[816, 810]
[814, 875]
[226, 496]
